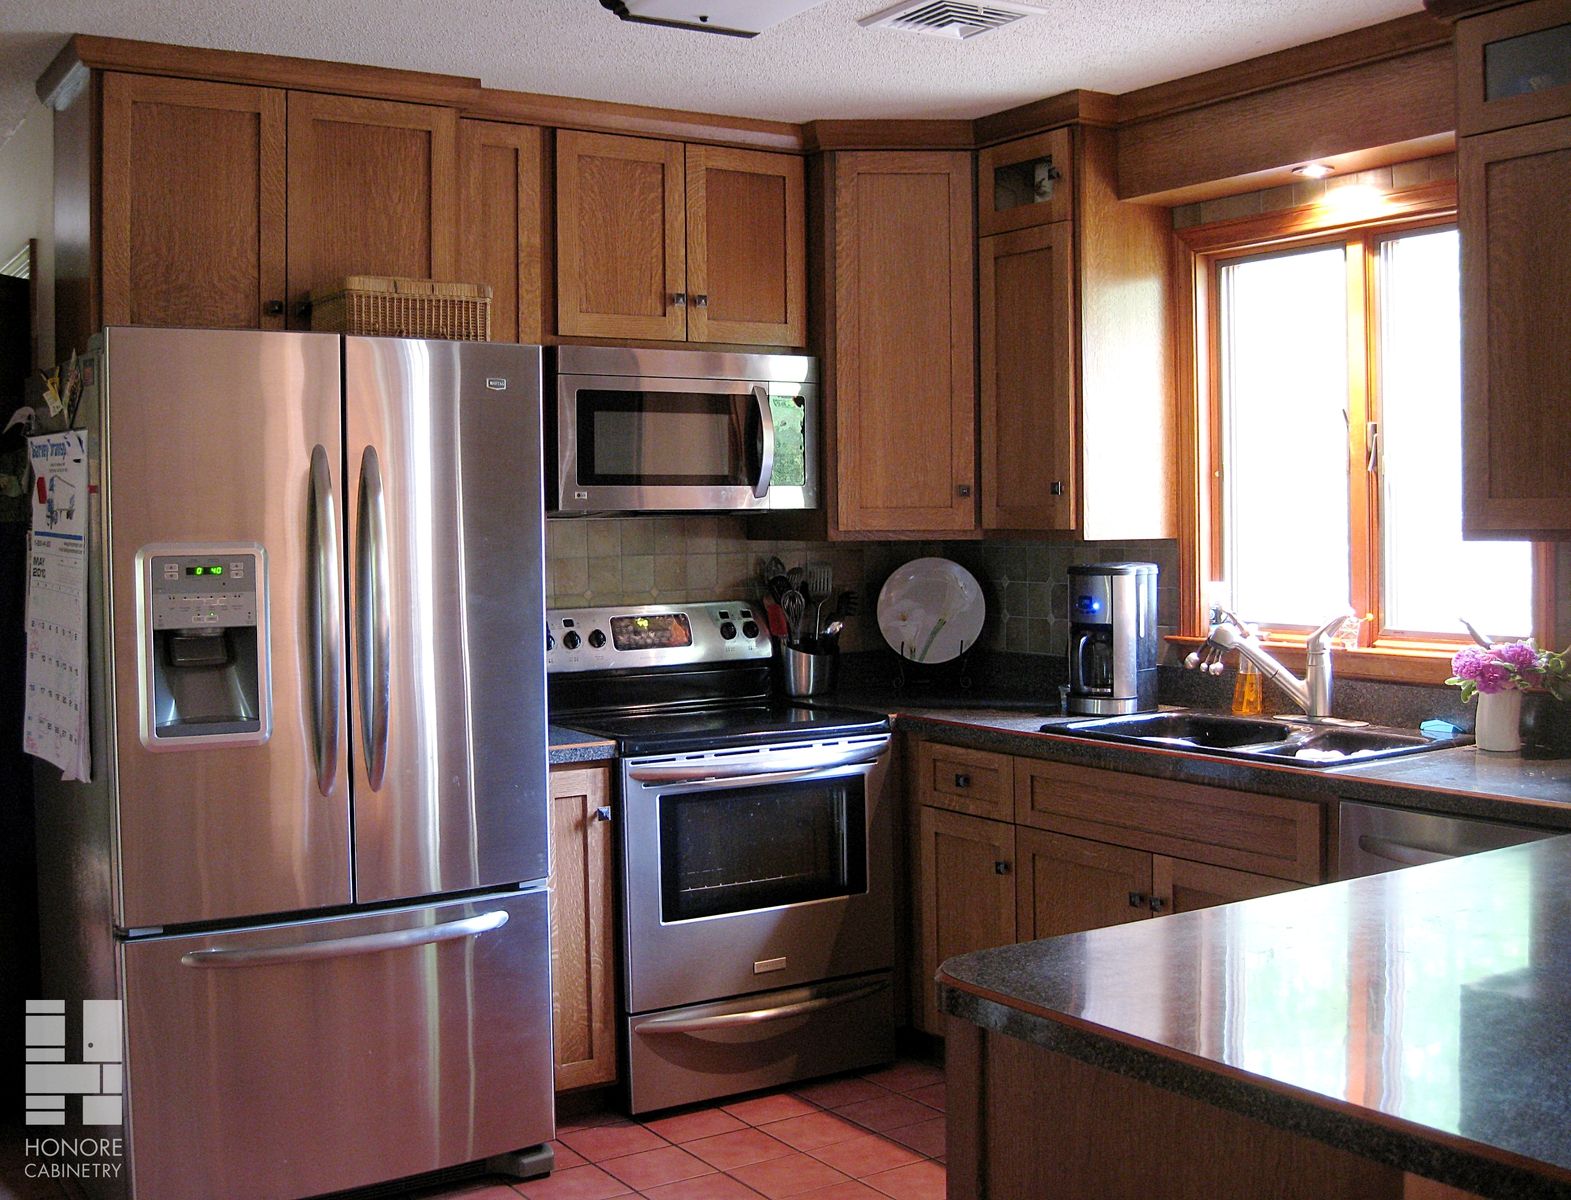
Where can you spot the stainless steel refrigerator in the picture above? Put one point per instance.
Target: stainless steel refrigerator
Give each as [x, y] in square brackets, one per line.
[312, 858]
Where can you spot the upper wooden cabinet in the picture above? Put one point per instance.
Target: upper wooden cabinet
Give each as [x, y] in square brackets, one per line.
[502, 243]
[898, 354]
[665, 241]
[372, 191]
[1514, 66]
[1026, 182]
[1077, 423]
[192, 227]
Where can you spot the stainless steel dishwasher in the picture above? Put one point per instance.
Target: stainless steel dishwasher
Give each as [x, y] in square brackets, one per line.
[1375, 839]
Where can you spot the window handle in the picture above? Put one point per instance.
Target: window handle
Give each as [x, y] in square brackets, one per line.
[1372, 442]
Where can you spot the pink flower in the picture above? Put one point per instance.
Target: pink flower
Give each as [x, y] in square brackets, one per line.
[1519, 655]
[1467, 662]
[1494, 677]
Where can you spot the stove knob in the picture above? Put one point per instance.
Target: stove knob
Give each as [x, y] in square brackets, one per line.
[550, 642]
[727, 630]
[750, 629]
[597, 638]
[570, 640]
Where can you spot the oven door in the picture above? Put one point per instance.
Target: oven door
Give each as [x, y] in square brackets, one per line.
[626, 444]
[755, 871]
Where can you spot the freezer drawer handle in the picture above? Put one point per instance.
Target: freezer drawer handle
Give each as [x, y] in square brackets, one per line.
[757, 1016]
[373, 617]
[1399, 852]
[367, 943]
[327, 621]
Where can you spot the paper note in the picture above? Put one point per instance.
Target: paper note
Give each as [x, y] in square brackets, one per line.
[55, 726]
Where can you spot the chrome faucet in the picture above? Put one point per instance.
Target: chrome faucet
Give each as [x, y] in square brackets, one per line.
[1312, 693]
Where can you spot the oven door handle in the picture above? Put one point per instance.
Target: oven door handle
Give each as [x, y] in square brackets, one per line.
[706, 777]
[758, 1016]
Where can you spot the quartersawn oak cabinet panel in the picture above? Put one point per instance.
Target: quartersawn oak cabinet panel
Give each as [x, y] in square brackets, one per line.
[902, 347]
[502, 243]
[372, 191]
[1069, 885]
[583, 1000]
[1516, 331]
[192, 193]
[966, 893]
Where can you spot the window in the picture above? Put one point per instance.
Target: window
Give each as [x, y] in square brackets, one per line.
[1328, 421]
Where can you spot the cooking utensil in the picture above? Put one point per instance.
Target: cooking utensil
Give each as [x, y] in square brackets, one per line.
[794, 605]
[820, 586]
[776, 618]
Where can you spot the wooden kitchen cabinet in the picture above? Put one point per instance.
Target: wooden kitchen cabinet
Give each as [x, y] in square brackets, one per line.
[1513, 66]
[192, 225]
[1029, 181]
[966, 897]
[583, 987]
[1516, 331]
[657, 240]
[1178, 885]
[899, 350]
[1068, 885]
[372, 191]
[502, 241]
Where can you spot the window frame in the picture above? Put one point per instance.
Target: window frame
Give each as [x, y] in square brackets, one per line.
[1200, 251]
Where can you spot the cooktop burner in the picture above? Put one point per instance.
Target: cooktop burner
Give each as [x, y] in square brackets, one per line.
[710, 728]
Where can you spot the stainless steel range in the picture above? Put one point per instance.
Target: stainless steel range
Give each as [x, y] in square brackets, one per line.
[756, 844]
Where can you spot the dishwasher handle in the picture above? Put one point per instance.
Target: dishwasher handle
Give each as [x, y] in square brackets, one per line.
[1401, 852]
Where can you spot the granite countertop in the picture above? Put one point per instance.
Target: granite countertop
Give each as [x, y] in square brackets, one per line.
[1418, 1018]
[570, 746]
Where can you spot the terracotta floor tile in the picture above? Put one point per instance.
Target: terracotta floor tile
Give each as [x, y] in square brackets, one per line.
[651, 1168]
[905, 1076]
[865, 1154]
[601, 1142]
[689, 1126]
[566, 1157]
[932, 1095]
[834, 1092]
[737, 1149]
[789, 1176]
[812, 1130]
[886, 1112]
[849, 1190]
[925, 1137]
[778, 1106]
[919, 1181]
[576, 1183]
[708, 1187]
[590, 1121]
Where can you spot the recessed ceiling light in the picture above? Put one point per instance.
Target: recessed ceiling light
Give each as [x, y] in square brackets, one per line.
[1313, 170]
[737, 18]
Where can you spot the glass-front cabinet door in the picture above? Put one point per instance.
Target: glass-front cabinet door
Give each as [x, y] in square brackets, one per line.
[1514, 66]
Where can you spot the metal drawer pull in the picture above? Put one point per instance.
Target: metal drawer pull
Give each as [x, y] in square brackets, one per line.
[1138, 899]
[962, 781]
[366, 943]
[1400, 852]
[757, 1016]
[603, 813]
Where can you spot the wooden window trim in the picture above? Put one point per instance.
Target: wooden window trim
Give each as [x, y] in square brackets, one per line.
[1198, 250]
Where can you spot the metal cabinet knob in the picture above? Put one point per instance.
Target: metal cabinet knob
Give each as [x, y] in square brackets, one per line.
[1158, 904]
[274, 308]
[962, 781]
[701, 300]
[1056, 488]
[679, 299]
[964, 489]
[1137, 899]
[1000, 868]
[603, 813]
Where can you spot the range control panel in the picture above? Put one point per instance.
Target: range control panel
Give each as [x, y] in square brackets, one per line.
[192, 590]
[655, 635]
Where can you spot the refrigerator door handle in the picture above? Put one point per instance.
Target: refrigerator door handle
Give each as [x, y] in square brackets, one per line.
[366, 943]
[372, 617]
[327, 621]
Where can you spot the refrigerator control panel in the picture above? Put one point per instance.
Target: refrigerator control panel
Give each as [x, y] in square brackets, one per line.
[204, 589]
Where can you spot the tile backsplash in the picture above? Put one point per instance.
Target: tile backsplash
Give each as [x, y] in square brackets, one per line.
[645, 560]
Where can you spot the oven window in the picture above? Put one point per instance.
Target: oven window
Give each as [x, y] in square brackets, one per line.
[635, 439]
[747, 848]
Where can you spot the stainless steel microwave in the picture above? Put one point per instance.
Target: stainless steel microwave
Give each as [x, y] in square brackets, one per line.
[641, 430]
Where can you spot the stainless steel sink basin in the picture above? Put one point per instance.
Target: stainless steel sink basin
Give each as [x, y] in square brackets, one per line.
[1301, 745]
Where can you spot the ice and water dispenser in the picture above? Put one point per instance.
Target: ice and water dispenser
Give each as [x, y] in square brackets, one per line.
[204, 672]
[1112, 638]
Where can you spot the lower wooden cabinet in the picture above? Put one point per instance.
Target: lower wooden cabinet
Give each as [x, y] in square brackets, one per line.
[1178, 885]
[583, 978]
[1069, 884]
[966, 894]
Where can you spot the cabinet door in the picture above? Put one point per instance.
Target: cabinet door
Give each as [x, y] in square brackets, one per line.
[620, 237]
[1068, 885]
[746, 249]
[1178, 885]
[1514, 66]
[1516, 332]
[967, 891]
[372, 191]
[1028, 379]
[501, 243]
[193, 204]
[904, 363]
[1024, 182]
[582, 953]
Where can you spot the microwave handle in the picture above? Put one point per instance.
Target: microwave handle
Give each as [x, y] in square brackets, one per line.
[766, 457]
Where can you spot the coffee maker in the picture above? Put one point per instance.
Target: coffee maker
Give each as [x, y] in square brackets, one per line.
[1112, 638]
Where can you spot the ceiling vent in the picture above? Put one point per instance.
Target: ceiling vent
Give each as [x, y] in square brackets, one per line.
[948, 18]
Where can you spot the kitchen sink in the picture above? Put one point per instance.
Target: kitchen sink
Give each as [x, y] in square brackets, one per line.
[1302, 745]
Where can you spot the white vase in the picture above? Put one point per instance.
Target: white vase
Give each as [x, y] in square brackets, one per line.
[1499, 726]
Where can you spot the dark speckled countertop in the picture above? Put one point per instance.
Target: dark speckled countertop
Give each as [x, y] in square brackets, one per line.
[1421, 1018]
[570, 746]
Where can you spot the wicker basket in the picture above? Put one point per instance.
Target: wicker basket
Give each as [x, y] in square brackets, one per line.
[382, 306]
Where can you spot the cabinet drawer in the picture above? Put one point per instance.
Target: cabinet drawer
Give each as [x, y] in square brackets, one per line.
[1264, 834]
[969, 781]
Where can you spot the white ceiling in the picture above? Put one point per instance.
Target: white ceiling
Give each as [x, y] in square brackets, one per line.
[817, 64]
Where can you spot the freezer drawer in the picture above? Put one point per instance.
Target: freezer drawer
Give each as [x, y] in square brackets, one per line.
[297, 1059]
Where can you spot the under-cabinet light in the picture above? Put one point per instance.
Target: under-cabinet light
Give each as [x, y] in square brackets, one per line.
[1313, 170]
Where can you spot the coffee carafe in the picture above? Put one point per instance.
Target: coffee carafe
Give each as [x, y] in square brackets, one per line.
[1112, 638]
